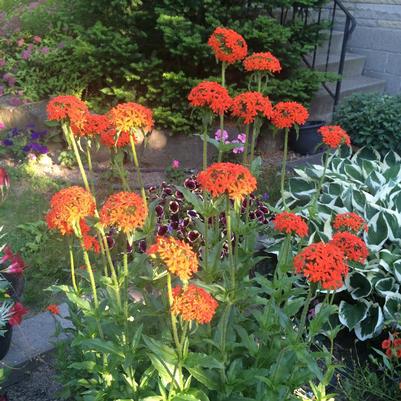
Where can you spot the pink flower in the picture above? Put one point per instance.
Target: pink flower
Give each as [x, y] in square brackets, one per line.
[221, 136]
[18, 311]
[239, 149]
[16, 266]
[30, 47]
[241, 138]
[4, 186]
[37, 39]
[25, 55]
[175, 164]
[2, 125]
[2, 62]
[20, 42]
[8, 255]
[45, 50]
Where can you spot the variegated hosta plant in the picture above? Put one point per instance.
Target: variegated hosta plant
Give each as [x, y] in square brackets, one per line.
[369, 185]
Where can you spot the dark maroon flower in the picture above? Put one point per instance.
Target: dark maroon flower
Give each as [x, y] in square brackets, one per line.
[159, 210]
[174, 225]
[193, 235]
[192, 214]
[252, 215]
[162, 230]
[185, 222]
[264, 209]
[190, 184]
[167, 191]
[174, 207]
[179, 195]
[142, 246]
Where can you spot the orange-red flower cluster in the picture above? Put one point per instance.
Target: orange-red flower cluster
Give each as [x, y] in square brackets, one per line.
[248, 105]
[262, 62]
[334, 136]
[111, 139]
[288, 114]
[210, 94]
[94, 124]
[353, 247]
[350, 222]
[128, 117]
[194, 303]
[228, 45]
[125, 211]
[235, 180]
[53, 309]
[290, 223]
[177, 255]
[69, 208]
[322, 263]
[392, 346]
[63, 108]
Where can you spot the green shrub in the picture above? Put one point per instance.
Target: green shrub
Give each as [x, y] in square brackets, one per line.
[372, 119]
[369, 185]
[154, 52]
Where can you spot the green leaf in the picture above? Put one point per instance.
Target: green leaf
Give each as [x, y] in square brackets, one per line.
[204, 360]
[163, 351]
[392, 307]
[203, 377]
[102, 346]
[85, 365]
[386, 285]
[378, 232]
[358, 285]
[351, 314]
[372, 325]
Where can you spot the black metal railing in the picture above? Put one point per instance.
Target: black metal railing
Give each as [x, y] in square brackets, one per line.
[337, 18]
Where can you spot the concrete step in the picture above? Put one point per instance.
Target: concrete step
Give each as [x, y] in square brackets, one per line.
[334, 43]
[322, 103]
[353, 63]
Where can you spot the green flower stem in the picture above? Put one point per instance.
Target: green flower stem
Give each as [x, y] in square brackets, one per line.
[73, 143]
[205, 138]
[284, 256]
[302, 324]
[72, 266]
[284, 166]
[90, 168]
[126, 275]
[223, 338]
[259, 81]
[253, 143]
[172, 316]
[245, 154]
[230, 247]
[138, 170]
[223, 84]
[206, 247]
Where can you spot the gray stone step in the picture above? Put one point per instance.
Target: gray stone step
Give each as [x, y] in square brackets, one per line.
[322, 104]
[34, 337]
[353, 63]
[335, 44]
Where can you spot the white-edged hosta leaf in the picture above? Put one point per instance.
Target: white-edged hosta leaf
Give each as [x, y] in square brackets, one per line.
[351, 314]
[372, 325]
[386, 285]
[392, 307]
[358, 285]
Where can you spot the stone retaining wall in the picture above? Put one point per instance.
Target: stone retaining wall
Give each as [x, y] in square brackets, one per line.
[378, 37]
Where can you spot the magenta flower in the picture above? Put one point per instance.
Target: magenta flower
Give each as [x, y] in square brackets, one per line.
[8, 255]
[221, 136]
[239, 149]
[45, 50]
[16, 266]
[25, 55]
[175, 164]
[241, 138]
[2, 62]
[2, 125]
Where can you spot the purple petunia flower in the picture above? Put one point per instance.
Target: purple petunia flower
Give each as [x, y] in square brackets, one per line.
[8, 142]
[221, 136]
[14, 132]
[37, 134]
[37, 147]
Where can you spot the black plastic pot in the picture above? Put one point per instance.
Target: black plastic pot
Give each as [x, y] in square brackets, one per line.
[308, 139]
[5, 341]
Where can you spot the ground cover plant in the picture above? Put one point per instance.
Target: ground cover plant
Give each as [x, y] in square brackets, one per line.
[164, 291]
[146, 51]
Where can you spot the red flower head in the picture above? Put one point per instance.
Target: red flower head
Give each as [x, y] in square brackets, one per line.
[111, 139]
[17, 312]
[177, 255]
[352, 246]
[262, 62]
[350, 222]
[386, 344]
[228, 45]
[68, 208]
[249, 105]
[53, 309]
[94, 124]
[322, 263]
[131, 117]
[4, 181]
[91, 243]
[212, 95]
[125, 211]
[290, 223]
[288, 114]
[67, 108]
[334, 136]
[194, 303]
[235, 180]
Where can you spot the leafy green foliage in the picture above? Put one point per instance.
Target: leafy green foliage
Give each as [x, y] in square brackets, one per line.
[369, 185]
[372, 120]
